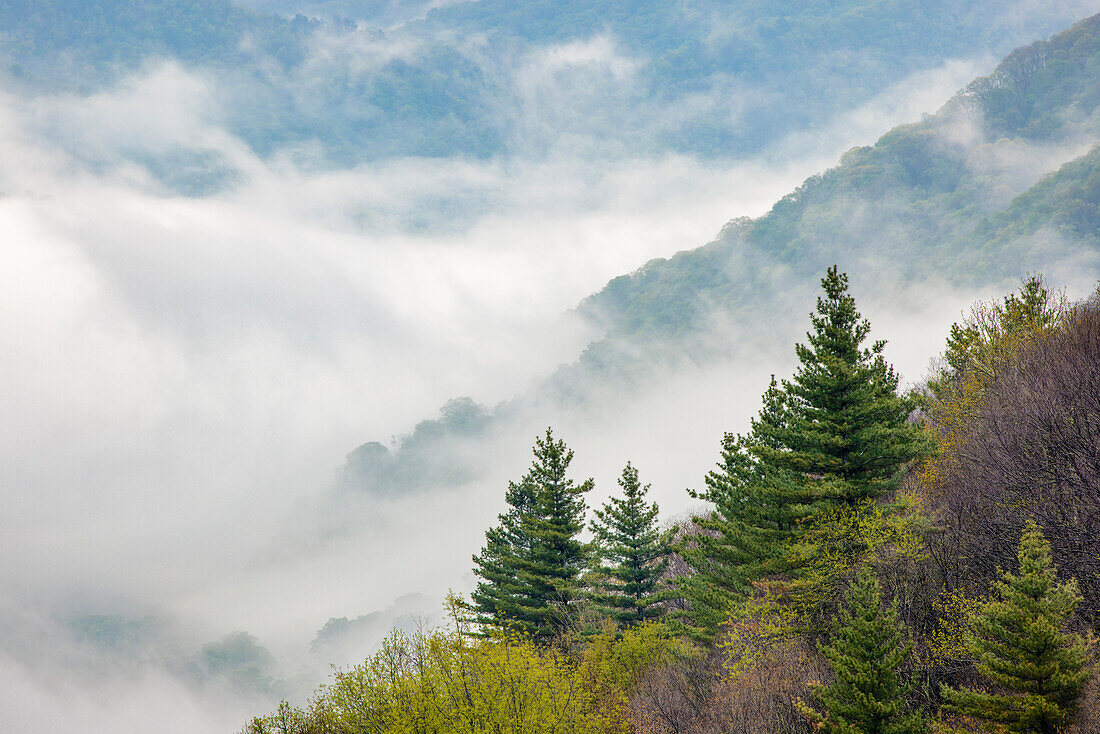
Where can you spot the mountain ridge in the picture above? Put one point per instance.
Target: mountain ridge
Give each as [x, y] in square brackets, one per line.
[931, 199]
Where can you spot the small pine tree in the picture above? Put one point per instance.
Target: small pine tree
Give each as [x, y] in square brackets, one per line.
[864, 654]
[755, 514]
[1021, 646]
[531, 562]
[631, 554]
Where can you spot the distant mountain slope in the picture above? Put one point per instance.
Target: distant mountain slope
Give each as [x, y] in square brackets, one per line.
[40, 37]
[1003, 180]
[776, 67]
[498, 78]
[1064, 204]
[938, 196]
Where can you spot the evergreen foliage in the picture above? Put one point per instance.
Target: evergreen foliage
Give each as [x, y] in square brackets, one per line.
[632, 554]
[754, 516]
[763, 667]
[836, 433]
[847, 431]
[1036, 669]
[870, 644]
[531, 562]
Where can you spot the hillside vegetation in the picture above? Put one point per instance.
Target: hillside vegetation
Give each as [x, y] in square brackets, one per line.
[874, 562]
[1003, 180]
[960, 194]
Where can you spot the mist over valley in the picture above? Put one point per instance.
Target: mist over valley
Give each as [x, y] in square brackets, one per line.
[290, 288]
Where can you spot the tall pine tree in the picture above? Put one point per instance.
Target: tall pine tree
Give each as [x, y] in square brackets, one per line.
[837, 432]
[631, 554]
[866, 696]
[1021, 646]
[847, 433]
[531, 562]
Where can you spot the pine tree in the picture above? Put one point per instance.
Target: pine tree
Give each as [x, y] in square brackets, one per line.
[1021, 646]
[866, 696]
[755, 514]
[531, 562]
[847, 432]
[631, 554]
[837, 432]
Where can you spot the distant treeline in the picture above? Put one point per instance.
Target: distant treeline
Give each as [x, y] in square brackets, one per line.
[967, 196]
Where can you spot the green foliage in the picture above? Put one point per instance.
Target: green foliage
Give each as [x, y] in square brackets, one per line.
[955, 613]
[870, 644]
[774, 570]
[116, 632]
[978, 349]
[286, 720]
[531, 563]
[1035, 668]
[807, 49]
[836, 434]
[1064, 201]
[431, 454]
[443, 682]
[755, 515]
[241, 661]
[866, 534]
[631, 554]
[994, 331]
[846, 436]
[296, 81]
[447, 682]
[109, 32]
[940, 198]
[784, 608]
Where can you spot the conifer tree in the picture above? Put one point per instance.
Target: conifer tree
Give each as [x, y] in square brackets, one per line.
[1021, 646]
[870, 644]
[847, 431]
[631, 554]
[755, 514]
[837, 432]
[531, 562]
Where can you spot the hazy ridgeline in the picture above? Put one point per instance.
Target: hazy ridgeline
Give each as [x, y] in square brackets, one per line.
[350, 82]
[999, 182]
[239, 243]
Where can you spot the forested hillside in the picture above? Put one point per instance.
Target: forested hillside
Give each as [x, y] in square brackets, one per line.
[868, 561]
[469, 79]
[1003, 180]
[696, 494]
[958, 194]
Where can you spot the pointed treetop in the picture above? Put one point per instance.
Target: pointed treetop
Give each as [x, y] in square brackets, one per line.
[1021, 646]
[838, 327]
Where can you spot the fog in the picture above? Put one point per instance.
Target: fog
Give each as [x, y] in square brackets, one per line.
[182, 376]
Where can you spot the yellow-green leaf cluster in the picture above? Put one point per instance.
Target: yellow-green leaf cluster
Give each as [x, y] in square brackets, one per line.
[955, 613]
[443, 682]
